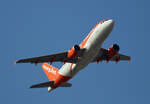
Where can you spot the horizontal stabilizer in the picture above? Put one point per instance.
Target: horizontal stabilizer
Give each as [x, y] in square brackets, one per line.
[42, 85]
[65, 84]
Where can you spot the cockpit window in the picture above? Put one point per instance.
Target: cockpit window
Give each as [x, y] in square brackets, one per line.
[103, 21]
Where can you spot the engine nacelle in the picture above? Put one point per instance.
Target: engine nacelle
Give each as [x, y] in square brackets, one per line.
[74, 51]
[112, 51]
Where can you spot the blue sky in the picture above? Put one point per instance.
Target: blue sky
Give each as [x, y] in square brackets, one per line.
[39, 27]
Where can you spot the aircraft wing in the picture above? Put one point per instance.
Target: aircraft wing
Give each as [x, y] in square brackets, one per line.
[59, 57]
[103, 56]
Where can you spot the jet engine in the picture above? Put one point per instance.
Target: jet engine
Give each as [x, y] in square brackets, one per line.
[74, 51]
[112, 51]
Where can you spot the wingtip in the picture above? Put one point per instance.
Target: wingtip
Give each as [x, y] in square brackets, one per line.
[129, 59]
[31, 87]
[15, 63]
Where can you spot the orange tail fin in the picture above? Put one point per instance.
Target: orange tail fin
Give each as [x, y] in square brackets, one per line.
[50, 71]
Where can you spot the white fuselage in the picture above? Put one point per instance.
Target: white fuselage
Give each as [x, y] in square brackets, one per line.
[92, 46]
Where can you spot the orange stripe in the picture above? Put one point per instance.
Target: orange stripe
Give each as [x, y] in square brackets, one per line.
[71, 68]
[87, 38]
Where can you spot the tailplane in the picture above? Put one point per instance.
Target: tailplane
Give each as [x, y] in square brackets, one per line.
[66, 84]
[42, 85]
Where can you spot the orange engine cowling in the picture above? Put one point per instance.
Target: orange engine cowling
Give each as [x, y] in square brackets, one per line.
[73, 52]
[112, 51]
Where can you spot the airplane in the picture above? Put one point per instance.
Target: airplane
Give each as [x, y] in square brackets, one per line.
[78, 57]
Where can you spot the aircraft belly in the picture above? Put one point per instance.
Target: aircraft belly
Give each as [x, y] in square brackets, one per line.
[71, 69]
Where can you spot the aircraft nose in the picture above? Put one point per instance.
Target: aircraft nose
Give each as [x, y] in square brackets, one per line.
[111, 22]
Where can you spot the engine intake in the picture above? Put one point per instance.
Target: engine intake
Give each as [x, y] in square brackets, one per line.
[112, 51]
[76, 47]
[74, 51]
[116, 47]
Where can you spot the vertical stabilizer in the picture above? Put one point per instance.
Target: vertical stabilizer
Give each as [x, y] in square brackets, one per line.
[50, 71]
